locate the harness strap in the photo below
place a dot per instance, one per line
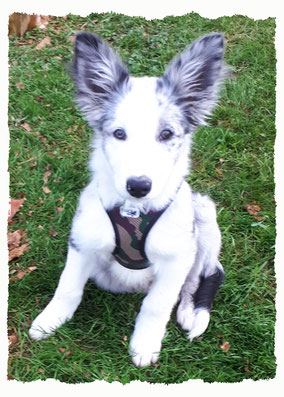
(130, 236)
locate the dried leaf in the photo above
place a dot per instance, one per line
(31, 269)
(247, 368)
(26, 126)
(16, 252)
(41, 371)
(12, 340)
(15, 206)
(253, 209)
(46, 189)
(20, 85)
(44, 42)
(61, 349)
(46, 176)
(72, 38)
(20, 274)
(225, 346)
(52, 232)
(14, 239)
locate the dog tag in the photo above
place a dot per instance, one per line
(128, 210)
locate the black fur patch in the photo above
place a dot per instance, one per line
(207, 290)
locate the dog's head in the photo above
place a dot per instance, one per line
(144, 125)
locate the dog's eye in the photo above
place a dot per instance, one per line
(165, 135)
(119, 134)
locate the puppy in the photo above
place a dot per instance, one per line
(138, 226)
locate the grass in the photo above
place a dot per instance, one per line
(232, 161)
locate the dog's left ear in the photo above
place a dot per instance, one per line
(99, 74)
(193, 78)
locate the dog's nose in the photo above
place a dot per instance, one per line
(138, 186)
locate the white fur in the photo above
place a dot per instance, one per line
(185, 241)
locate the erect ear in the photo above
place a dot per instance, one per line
(193, 78)
(99, 74)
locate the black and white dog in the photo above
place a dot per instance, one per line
(138, 226)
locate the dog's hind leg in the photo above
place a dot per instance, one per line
(204, 279)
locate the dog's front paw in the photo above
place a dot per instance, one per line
(52, 317)
(193, 320)
(41, 328)
(144, 351)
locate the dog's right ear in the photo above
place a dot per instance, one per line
(99, 74)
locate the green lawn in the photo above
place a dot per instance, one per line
(232, 161)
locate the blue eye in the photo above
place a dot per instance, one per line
(165, 135)
(120, 134)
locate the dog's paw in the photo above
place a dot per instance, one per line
(47, 322)
(185, 316)
(41, 329)
(195, 321)
(144, 351)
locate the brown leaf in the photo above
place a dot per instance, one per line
(46, 176)
(46, 189)
(12, 340)
(225, 346)
(20, 274)
(44, 42)
(15, 206)
(72, 38)
(61, 349)
(41, 371)
(14, 239)
(253, 209)
(20, 85)
(26, 126)
(59, 209)
(31, 269)
(16, 252)
(247, 367)
(52, 232)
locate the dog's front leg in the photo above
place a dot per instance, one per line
(156, 309)
(67, 296)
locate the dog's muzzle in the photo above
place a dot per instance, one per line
(138, 186)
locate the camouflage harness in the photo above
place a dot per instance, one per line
(130, 237)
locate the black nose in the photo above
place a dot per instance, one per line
(138, 186)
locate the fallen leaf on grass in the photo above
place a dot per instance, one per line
(225, 346)
(12, 340)
(26, 126)
(16, 252)
(20, 274)
(46, 177)
(52, 232)
(44, 42)
(46, 189)
(31, 269)
(14, 208)
(20, 85)
(14, 239)
(247, 368)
